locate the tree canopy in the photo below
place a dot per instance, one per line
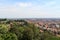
(26, 32)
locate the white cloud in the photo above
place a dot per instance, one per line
(22, 4)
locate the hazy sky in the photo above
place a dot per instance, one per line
(29, 8)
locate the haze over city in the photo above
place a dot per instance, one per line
(29, 8)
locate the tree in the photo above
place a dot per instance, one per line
(28, 34)
(10, 36)
(4, 28)
(1, 37)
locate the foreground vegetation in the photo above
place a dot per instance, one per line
(16, 30)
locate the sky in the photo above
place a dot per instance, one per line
(29, 8)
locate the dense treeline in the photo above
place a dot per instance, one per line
(17, 30)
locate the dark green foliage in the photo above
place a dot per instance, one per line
(48, 36)
(3, 19)
(1, 37)
(10, 36)
(28, 34)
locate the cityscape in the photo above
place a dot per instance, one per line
(49, 24)
(29, 19)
